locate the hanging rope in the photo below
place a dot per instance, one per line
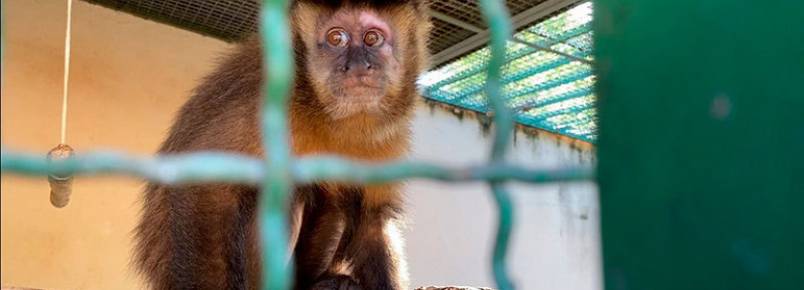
(67, 35)
(62, 186)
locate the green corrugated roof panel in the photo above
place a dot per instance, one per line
(547, 90)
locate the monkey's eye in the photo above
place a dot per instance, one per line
(373, 38)
(337, 37)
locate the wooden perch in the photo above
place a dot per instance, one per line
(452, 288)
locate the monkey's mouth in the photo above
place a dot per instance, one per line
(362, 82)
(365, 97)
(361, 88)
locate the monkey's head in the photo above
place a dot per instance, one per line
(361, 57)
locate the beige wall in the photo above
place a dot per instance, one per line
(129, 76)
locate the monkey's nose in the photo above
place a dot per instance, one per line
(361, 66)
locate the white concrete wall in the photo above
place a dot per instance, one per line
(555, 241)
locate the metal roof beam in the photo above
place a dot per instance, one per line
(455, 21)
(481, 38)
(545, 48)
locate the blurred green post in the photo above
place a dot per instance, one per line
(700, 148)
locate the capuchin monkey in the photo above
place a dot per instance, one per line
(354, 91)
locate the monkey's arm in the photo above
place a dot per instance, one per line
(378, 260)
(376, 250)
(320, 230)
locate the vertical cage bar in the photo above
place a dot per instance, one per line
(497, 17)
(278, 72)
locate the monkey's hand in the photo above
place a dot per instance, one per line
(336, 282)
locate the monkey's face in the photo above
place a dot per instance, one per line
(355, 58)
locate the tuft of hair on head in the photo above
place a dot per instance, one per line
(418, 4)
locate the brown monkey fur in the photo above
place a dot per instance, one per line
(342, 236)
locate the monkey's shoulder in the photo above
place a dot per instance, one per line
(222, 112)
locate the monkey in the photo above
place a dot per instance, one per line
(356, 64)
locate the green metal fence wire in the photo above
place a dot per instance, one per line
(500, 28)
(277, 185)
(280, 171)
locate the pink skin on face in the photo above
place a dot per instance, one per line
(359, 90)
(357, 22)
(370, 20)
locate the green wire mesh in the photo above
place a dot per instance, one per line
(280, 171)
(550, 89)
